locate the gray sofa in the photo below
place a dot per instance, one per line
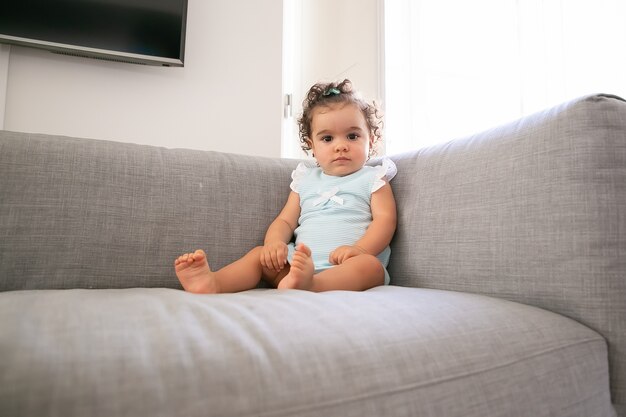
(508, 293)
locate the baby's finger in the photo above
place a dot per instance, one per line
(271, 261)
(275, 261)
(282, 257)
(332, 258)
(263, 259)
(267, 260)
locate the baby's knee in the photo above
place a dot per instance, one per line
(371, 263)
(256, 250)
(254, 255)
(371, 270)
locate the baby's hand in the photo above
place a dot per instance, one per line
(274, 256)
(342, 253)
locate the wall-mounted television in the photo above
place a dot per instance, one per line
(148, 32)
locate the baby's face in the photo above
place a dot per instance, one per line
(340, 139)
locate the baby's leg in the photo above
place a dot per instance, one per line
(358, 273)
(355, 274)
(301, 270)
(195, 275)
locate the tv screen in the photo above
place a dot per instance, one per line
(138, 31)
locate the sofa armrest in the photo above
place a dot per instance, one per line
(533, 211)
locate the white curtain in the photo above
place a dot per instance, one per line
(456, 67)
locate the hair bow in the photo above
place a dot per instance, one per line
(332, 91)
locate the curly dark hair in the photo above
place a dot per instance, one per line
(327, 94)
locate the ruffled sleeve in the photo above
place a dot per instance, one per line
(297, 175)
(384, 173)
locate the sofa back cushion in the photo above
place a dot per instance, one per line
(78, 213)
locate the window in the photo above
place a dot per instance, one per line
(453, 67)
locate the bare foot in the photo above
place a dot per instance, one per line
(193, 272)
(301, 272)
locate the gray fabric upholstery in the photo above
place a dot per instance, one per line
(531, 212)
(114, 215)
(390, 351)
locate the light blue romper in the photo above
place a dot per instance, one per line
(336, 211)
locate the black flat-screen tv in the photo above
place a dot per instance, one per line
(138, 31)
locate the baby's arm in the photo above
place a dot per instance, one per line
(274, 253)
(384, 218)
(380, 231)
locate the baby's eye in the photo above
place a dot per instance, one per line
(327, 138)
(353, 136)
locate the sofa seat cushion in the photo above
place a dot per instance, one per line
(387, 351)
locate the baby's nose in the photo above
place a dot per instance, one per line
(342, 144)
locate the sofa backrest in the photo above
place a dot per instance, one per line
(533, 211)
(79, 213)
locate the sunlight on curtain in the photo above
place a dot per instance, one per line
(453, 68)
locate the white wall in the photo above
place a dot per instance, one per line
(334, 40)
(4, 70)
(228, 97)
(340, 39)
